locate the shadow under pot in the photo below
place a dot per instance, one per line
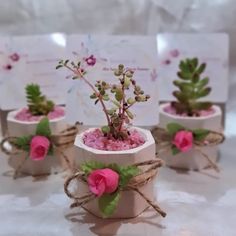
(130, 204)
(17, 128)
(192, 159)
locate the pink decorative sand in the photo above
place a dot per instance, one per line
(25, 115)
(170, 110)
(96, 140)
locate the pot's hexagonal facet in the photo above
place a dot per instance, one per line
(52, 163)
(130, 204)
(191, 159)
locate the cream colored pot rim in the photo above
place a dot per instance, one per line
(145, 133)
(217, 111)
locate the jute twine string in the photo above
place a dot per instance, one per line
(164, 141)
(135, 183)
(60, 142)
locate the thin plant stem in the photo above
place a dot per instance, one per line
(78, 72)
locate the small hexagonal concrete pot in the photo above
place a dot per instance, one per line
(130, 204)
(52, 163)
(191, 159)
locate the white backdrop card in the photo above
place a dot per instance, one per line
(35, 60)
(136, 52)
(210, 48)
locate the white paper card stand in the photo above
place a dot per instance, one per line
(210, 48)
(38, 57)
(137, 52)
(30, 59)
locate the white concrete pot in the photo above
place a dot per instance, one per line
(130, 204)
(52, 163)
(192, 159)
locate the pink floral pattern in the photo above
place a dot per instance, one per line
(14, 57)
(91, 60)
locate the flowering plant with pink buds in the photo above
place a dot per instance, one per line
(116, 99)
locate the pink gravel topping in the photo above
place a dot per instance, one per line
(25, 115)
(171, 110)
(95, 139)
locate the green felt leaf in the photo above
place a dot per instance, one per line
(126, 173)
(50, 151)
(173, 128)
(175, 150)
(43, 128)
(23, 142)
(200, 134)
(87, 167)
(114, 167)
(108, 202)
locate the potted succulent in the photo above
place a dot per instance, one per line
(112, 158)
(190, 112)
(41, 115)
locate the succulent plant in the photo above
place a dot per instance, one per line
(116, 99)
(191, 88)
(37, 103)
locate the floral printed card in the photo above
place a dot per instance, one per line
(31, 59)
(136, 52)
(210, 48)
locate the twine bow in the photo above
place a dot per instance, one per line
(59, 142)
(134, 184)
(213, 138)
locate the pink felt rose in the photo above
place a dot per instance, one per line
(183, 140)
(39, 146)
(103, 181)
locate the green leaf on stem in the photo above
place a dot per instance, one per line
(119, 95)
(105, 97)
(105, 129)
(129, 114)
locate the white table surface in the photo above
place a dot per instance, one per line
(196, 204)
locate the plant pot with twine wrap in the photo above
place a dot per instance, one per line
(135, 169)
(197, 158)
(39, 147)
(189, 120)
